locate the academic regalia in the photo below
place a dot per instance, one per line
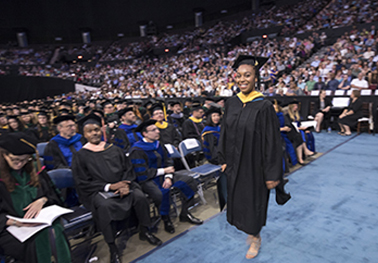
(58, 152)
(250, 145)
(146, 159)
(168, 134)
(177, 120)
(119, 138)
(289, 148)
(42, 136)
(192, 128)
(131, 134)
(307, 137)
(352, 120)
(92, 172)
(210, 139)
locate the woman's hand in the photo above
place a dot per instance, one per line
(224, 166)
(271, 184)
(167, 183)
(12, 222)
(34, 208)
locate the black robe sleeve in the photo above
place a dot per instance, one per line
(210, 144)
(139, 161)
(53, 157)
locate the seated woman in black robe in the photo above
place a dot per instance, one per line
(23, 193)
(15, 124)
(44, 130)
(322, 110)
(210, 135)
(349, 118)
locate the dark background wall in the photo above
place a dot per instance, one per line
(19, 88)
(45, 20)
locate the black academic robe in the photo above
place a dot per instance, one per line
(192, 129)
(250, 145)
(92, 171)
(26, 251)
(177, 121)
(169, 135)
(119, 138)
(352, 120)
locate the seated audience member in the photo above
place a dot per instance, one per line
(23, 193)
(322, 109)
(15, 125)
(344, 83)
(302, 140)
(270, 92)
(27, 119)
(176, 118)
(92, 175)
(59, 150)
(44, 130)
(3, 123)
(310, 84)
(168, 133)
(210, 134)
(349, 118)
(155, 173)
(285, 127)
(359, 83)
(294, 90)
(193, 126)
(128, 119)
(116, 135)
(320, 85)
(332, 83)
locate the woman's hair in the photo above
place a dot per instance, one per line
(209, 121)
(21, 126)
(356, 93)
(8, 179)
(51, 129)
(293, 115)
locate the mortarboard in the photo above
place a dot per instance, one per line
(144, 125)
(61, 118)
(214, 110)
(256, 62)
(155, 107)
(174, 102)
(18, 143)
(123, 111)
(90, 119)
(196, 105)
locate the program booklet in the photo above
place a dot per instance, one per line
(45, 219)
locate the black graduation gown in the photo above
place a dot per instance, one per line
(352, 120)
(169, 135)
(250, 145)
(327, 102)
(26, 251)
(191, 129)
(177, 122)
(211, 144)
(92, 171)
(294, 136)
(119, 138)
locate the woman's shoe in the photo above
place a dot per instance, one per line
(253, 250)
(340, 133)
(346, 134)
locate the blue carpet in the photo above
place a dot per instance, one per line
(332, 216)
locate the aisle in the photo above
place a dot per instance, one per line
(332, 216)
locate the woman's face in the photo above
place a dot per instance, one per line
(13, 124)
(16, 162)
(42, 120)
(215, 117)
(245, 78)
(295, 107)
(26, 118)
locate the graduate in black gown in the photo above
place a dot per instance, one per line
(211, 133)
(168, 133)
(23, 193)
(44, 130)
(250, 153)
(176, 118)
(322, 110)
(193, 126)
(102, 167)
(116, 135)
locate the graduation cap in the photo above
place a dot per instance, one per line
(123, 111)
(256, 62)
(64, 112)
(66, 104)
(18, 143)
(148, 103)
(214, 110)
(12, 117)
(24, 112)
(99, 112)
(90, 119)
(144, 125)
(196, 105)
(87, 109)
(42, 113)
(138, 102)
(112, 118)
(106, 103)
(155, 107)
(61, 118)
(174, 102)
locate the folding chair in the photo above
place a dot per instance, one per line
(41, 151)
(190, 146)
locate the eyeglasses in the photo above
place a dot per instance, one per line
(17, 161)
(153, 130)
(70, 126)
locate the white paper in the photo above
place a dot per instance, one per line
(349, 92)
(340, 102)
(328, 92)
(314, 92)
(169, 148)
(339, 92)
(191, 143)
(295, 126)
(365, 92)
(376, 92)
(46, 217)
(308, 124)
